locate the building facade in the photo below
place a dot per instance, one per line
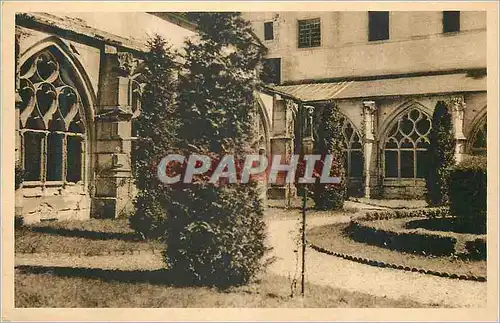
(386, 71)
(78, 88)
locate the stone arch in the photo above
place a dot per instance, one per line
(478, 128)
(71, 123)
(404, 142)
(265, 120)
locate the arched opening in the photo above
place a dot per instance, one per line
(53, 125)
(353, 157)
(478, 141)
(405, 146)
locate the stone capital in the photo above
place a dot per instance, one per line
(458, 103)
(369, 107)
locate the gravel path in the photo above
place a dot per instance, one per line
(328, 270)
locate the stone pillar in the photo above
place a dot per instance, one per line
(282, 143)
(458, 107)
(114, 189)
(369, 119)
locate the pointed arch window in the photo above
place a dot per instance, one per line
(353, 149)
(51, 120)
(478, 142)
(406, 145)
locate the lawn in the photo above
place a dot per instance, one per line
(332, 237)
(72, 287)
(90, 237)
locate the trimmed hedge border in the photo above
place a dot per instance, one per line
(382, 264)
(430, 212)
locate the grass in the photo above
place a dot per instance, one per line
(90, 237)
(73, 287)
(332, 237)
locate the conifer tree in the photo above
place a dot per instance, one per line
(215, 232)
(441, 156)
(329, 141)
(156, 134)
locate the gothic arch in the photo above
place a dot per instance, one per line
(404, 143)
(58, 45)
(266, 124)
(400, 111)
(476, 136)
(58, 104)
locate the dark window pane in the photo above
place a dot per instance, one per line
(309, 33)
(268, 31)
(54, 157)
(271, 70)
(422, 163)
(451, 21)
(356, 163)
(32, 156)
(74, 155)
(407, 163)
(391, 163)
(378, 25)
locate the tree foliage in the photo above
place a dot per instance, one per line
(215, 233)
(330, 141)
(441, 156)
(156, 132)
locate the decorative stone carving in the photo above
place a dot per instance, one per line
(127, 63)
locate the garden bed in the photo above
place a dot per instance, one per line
(414, 235)
(332, 238)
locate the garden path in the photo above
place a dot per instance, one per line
(323, 269)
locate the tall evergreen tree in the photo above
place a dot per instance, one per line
(156, 134)
(441, 155)
(329, 142)
(215, 233)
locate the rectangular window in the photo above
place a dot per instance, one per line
(268, 31)
(378, 25)
(271, 70)
(451, 21)
(309, 33)
(32, 156)
(54, 157)
(74, 157)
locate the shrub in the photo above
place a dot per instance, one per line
(476, 249)
(216, 233)
(19, 176)
(156, 133)
(440, 156)
(468, 187)
(330, 141)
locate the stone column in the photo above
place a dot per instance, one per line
(114, 189)
(458, 107)
(369, 109)
(282, 143)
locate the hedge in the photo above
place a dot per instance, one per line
(468, 189)
(419, 243)
(435, 212)
(476, 248)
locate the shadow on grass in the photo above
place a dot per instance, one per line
(162, 277)
(93, 235)
(155, 277)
